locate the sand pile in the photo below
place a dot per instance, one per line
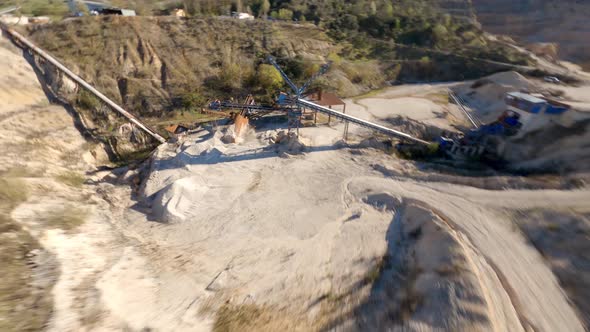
(382, 108)
(486, 96)
(553, 148)
(290, 142)
(439, 285)
(556, 145)
(511, 78)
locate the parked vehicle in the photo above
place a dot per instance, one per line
(552, 79)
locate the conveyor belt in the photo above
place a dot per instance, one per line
(364, 123)
(27, 44)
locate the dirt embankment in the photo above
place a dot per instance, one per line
(55, 227)
(560, 22)
(116, 139)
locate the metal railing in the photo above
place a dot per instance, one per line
(474, 121)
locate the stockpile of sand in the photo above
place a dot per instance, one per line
(558, 144)
(486, 96)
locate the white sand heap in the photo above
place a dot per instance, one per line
(290, 142)
(486, 95)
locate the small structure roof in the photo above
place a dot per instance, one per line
(527, 97)
(176, 129)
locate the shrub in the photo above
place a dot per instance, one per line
(12, 192)
(72, 179)
(440, 34)
(44, 8)
(193, 100)
(285, 14)
(269, 78)
(67, 218)
(86, 100)
(335, 58)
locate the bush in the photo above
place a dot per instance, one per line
(54, 8)
(231, 76)
(285, 14)
(12, 192)
(193, 100)
(67, 218)
(269, 78)
(335, 58)
(72, 179)
(440, 35)
(87, 100)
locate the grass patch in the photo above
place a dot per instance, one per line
(22, 308)
(370, 94)
(67, 218)
(375, 272)
(253, 317)
(128, 157)
(21, 172)
(12, 192)
(441, 98)
(235, 318)
(72, 179)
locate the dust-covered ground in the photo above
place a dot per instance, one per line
(58, 235)
(319, 236)
(279, 232)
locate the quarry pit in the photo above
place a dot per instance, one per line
(279, 231)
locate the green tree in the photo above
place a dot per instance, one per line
(388, 10)
(373, 8)
(193, 100)
(269, 78)
(264, 8)
(86, 100)
(440, 35)
(285, 14)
